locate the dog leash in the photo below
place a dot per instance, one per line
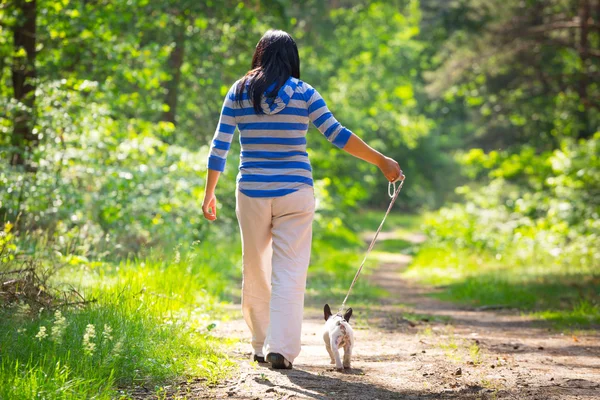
(393, 193)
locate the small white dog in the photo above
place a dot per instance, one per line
(338, 333)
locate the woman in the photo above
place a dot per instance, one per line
(271, 108)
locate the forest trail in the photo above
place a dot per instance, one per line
(411, 346)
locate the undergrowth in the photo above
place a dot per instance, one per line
(151, 322)
(565, 296)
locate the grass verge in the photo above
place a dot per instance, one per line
(151, 324)
(565, 296)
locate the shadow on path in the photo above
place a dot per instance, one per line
(412, 346)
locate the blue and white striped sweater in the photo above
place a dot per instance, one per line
(274, 161)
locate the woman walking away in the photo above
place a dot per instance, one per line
(271, 108)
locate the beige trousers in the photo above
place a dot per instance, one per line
(276, 241)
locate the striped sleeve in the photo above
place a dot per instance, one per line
(324, 120)
(224, 134)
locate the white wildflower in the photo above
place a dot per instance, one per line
(177, 255)
(88, 340)
(42, 333)
(59, 327)
(107, 332)
(116, 351)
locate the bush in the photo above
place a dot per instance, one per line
(543, 208)
(529, 238)
(109, 187)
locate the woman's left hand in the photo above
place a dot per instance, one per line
(391, 169)
(209, 206)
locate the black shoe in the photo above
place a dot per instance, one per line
(259, 359)
(278, 361)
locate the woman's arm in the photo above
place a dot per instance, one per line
(359, 149)
(343, 138)
(218, 153)
(209, 204)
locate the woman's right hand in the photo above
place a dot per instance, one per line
(209, 206)
(391, 169)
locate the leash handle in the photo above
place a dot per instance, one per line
(394, 196)
(392, 186)
(391, 189)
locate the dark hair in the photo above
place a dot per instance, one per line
(275, 60)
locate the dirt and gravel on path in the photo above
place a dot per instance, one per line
(411, 346)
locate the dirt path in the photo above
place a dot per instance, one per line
(414, 347)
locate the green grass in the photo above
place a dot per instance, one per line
(397, 221)
(158, 319)
(338, 252)
(154, 317)
(394, 246)
(331, 272)
(565, 296)
(582, 314)
(152, 323)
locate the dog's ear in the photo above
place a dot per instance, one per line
(327, 311)
(348, 314)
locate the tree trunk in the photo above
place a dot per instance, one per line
(584, 16)
(172, 86)
(23, 80)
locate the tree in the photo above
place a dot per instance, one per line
(527, 74)
(23, 79)
(174, 67)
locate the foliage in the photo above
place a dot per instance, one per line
(112, 186)
(367, 73)
(538, 207)
(496, 97)
(7, 246)
(514, 82)
(109, 171)
(528, 239)
(511, 73)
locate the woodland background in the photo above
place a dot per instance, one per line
(107, 108)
